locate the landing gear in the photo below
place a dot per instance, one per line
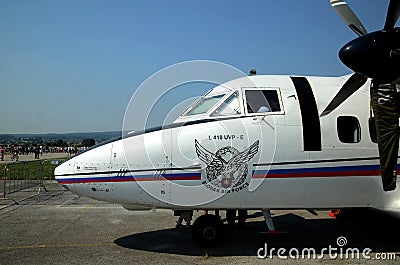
(242, 216)
(183, 216)
(208, 230)
(268, 220)
(231, 217)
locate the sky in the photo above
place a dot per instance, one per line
(73, 65)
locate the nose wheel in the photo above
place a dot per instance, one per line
(208, 230)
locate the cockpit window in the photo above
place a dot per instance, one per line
(203, 105)
(230, 106)
(260, 101)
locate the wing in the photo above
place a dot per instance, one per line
(244, 156)
(204, 155)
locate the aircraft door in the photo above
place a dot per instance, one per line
(264, 109)
(266, 120)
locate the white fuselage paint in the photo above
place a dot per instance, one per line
(162, 169)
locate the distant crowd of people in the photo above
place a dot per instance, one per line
(16, 150)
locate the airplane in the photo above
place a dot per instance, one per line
(375, 55)
(258, 142)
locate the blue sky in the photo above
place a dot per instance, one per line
(72, 66)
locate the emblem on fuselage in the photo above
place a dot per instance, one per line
(227, 169)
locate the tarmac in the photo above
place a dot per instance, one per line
(59, 227)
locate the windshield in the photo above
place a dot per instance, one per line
(230, 106)
(203, 105)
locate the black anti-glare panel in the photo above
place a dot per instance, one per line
(309, 114)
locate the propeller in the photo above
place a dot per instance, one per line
(371, 55)
(392, 14)
(348, 16)
(375, 55)
(352, 84)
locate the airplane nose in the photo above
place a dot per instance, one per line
(64, 174)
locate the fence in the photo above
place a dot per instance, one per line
(21, 175)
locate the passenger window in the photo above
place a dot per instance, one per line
(349, 129)
(261, 101)
(230, 106)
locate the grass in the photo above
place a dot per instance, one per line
(30, 169)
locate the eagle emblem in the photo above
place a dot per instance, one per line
(228, 167)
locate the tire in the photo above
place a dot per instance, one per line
(231, 217)
(242, 216)
(208, 230)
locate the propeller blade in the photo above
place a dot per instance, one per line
(348, 16)
(392, 14)
(351, 86)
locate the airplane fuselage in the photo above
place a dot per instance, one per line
(240, 154)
